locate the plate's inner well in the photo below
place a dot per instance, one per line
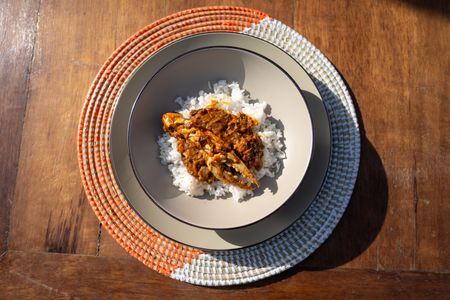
(185, 76)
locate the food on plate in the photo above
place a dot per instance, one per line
(215, 144)
(235, 130)
(220, 142)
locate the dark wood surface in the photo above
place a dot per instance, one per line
(117, 278)
(393, 241)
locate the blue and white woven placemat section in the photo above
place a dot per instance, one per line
(290, 247)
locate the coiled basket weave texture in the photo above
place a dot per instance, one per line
(181, 262)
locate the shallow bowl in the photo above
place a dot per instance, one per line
(186, 76)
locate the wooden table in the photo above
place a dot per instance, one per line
(394, 238)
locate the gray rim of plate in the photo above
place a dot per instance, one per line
(225, 239)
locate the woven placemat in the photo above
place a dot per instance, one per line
(183, 262)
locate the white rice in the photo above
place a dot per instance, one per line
(234, 100)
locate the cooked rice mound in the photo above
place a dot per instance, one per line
(231, 98)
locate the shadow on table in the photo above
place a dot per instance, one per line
(439, 7)
(361, 222)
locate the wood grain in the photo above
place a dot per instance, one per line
(88, 277)
(282, 10)
(393, 239)
(50, 212)
(18, 23)
(430, 114)
(381, 55)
